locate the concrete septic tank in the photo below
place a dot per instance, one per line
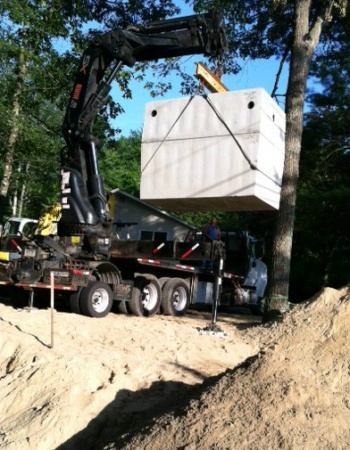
(222, 152)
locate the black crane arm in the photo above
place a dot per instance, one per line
(83, 199)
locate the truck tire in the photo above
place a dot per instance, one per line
(96, 299)
(122, 307)
(146, 296)
(162, 282)
(74, 302)
(176, 297)
(19, 297)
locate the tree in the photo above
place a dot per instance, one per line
(321, 240)
(36, 72)
(309, 17)
(291, 31)
(27, 33)
(120, 164)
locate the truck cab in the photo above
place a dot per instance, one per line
(13, 232)
(19, 226)
(245, 274)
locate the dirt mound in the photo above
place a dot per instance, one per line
(103, 375)
(124, 382)
(294, 394)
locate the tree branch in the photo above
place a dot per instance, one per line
(278, 75)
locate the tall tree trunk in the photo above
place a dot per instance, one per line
(304, 44)
(22, 195)
(15, 203)
(14, 132)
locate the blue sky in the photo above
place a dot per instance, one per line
(255, 74)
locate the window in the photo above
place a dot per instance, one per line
(153, 236)
(146, 235)
(160, 236)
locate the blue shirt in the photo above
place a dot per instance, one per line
(213, 232)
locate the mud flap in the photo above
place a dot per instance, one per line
(123, 291)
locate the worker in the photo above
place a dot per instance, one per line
(211, 231)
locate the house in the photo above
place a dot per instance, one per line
(138, 220)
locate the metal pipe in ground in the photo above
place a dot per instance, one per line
(217, 291)
(52, 306)
(213, 329)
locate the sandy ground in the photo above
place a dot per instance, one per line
(130, 383)
(120, 371)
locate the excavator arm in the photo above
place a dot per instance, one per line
(83, 199)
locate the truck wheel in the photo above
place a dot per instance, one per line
(74, 302)
(162, 282)
(146, 296)
(96, 299)
(122, 307)
(176, 297)
(18, 297)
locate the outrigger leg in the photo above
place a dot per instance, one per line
(213, 328)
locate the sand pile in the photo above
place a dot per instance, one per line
(152, 384)
(295, 394)
(101, 371)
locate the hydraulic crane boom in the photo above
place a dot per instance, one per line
(83, 199)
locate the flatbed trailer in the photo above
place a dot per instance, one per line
(142, 277)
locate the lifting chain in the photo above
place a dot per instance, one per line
(200, 88)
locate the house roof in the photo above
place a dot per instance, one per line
(118, 192)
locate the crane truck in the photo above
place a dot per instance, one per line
(85, 262)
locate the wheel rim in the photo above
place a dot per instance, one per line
(180, 299)
(149, 297)
(100, 300)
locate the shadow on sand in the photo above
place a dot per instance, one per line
(132, 411)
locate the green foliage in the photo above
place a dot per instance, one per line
(321, 238)
(28, 33)
(122, 14)
(120, 164)
(36, 160)
(255, 29)
(227, 221)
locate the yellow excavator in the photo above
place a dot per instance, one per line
(47, 224)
